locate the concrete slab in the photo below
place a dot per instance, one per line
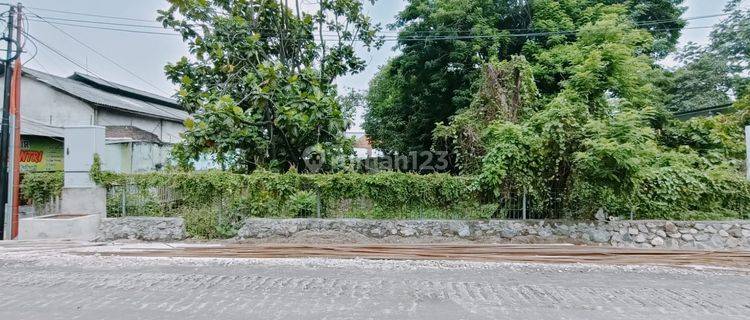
(80, 227)
(84, 201)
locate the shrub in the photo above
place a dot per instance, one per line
(215, 203)
(40, 187)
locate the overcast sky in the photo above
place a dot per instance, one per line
(145, 55)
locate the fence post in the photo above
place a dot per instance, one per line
(523, 206)
(747, 152)
(317, 196)
(124, 200)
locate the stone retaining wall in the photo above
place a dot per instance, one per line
(645, 234)
(142, 228)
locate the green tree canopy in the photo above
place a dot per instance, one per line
(444, 44)
(259, 79)
(714, 74)
(604, 140)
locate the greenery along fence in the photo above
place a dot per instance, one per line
(215, 203)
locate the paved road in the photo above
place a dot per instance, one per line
(50, 284)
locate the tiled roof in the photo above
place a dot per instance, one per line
(130, 133)
(363, 142)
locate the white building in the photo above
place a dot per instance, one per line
(140, 127)
(362, 147)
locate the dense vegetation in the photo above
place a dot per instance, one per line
(713, 74)
(435, 76)
(215, 203)
(580, 120)
(576, 115)
(259, 79)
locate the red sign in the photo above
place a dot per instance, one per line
(31, 156)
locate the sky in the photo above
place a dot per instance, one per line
(142, 57)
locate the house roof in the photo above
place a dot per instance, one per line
(130, 134)
(124, 90)
(135, 102)
(31, 127)
(363, 142)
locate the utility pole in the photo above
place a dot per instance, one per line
(10, 55)
(14, 148)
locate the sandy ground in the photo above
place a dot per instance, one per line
(73, 280)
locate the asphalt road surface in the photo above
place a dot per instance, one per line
(54, 281)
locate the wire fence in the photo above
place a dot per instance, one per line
(134, 200)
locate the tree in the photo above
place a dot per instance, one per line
(604, 140)
(445, 43)
(714, 74)
(507, 92)
(259, 79)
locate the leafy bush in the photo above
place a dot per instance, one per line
(220, 201)
(40, 187)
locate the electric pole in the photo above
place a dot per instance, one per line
(10, 55)
(14, 148)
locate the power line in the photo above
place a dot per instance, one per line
(36, 48)
(103, 56)
(103, 22)
(54, 79)
(423, 31)
(90, 14)
(387, 39)
(107, 28)
(405, 35)
(58, 52)
(94, 73)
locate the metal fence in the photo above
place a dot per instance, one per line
(521, 206)
(134, 200)
(50, 207)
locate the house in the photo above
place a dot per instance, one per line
(140, 126)
(361, 145)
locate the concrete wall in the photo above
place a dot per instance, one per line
(42, 103)
(150, 156)
(56, 227)
(136, 157)
(118, 157)
(640, 234)
(167, 131)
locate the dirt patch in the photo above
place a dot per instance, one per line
(467, 252)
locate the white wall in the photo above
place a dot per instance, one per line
(167, 131)
(41, 103)
(171, 132)
(136, 157)
(362, 153)
(147, 156)
(117, 157)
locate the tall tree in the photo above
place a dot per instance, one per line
(444, 43)
(716, 73)
(259, 79)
